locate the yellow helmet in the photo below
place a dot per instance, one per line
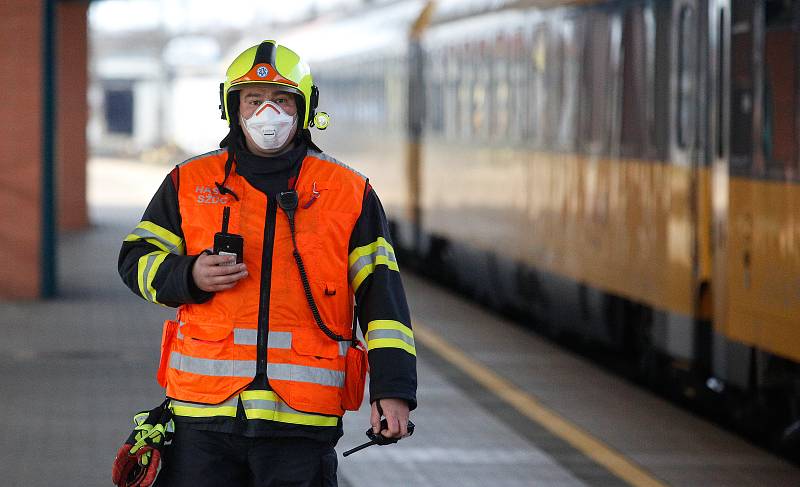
(270, 63)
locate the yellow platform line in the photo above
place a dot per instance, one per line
(527, 405)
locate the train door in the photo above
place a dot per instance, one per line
(719, 126)
(683, 175)
(733, 222)
(730, 123)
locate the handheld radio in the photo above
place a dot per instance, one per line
(228, 243)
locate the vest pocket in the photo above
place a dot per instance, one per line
(356, 368)
(207, 332)
(209, 341)
(167, 342)
(335, 305)
(314, 343)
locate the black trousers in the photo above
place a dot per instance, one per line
(198, 458)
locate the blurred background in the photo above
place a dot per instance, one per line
(155, 68)
(597, 201)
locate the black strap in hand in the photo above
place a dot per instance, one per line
(378, 438)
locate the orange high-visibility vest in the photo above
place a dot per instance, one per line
(212, 347)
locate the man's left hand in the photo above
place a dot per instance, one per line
(396, 413)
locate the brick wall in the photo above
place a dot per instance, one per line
(71, 46)
(20, 142)
(21, 68)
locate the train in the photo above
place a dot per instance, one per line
(622, 175)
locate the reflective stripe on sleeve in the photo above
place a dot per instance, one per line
(195, 410)
(211, 367)
(158, 236)
(362, 261)
(303, 373)
(148, 267)
(390, 334)
(268, 406)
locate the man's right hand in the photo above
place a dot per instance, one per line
(211, 275)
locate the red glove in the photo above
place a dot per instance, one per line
(138, 469)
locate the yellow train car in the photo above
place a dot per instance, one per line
(621, 173)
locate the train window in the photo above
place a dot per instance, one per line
(570, 66)
(687, 75)
(362, 109)
(434, 86)
(537, 93)
(375, 113)
(597, 86)
(721, 94)
(448, 94)
(451, 93)
(359, 92)
(635, 100)
(378, 86)
(518, 94)
(465, 95)
(481, 103)
(651, 32)
(780, 93)
(741, 107)
(395, 94)
(369, 97)
(660, 14)
(500, 90)
(552, 88)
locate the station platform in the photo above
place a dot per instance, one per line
(498, 406)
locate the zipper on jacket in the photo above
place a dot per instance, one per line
(266, 284)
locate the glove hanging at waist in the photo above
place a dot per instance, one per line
(138, 461)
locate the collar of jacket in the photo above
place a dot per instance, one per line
(269, 174)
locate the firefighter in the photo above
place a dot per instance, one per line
(271, 251)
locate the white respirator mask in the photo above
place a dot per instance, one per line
(269, 126)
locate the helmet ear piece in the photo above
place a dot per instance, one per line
(314, 97)
(222, 101)
(312, 104)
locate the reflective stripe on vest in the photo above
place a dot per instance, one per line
(263, 405)
(247, 368)
(194, 410)
(268, 406)
(282, 340)
(304, 373)
(212, 367)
